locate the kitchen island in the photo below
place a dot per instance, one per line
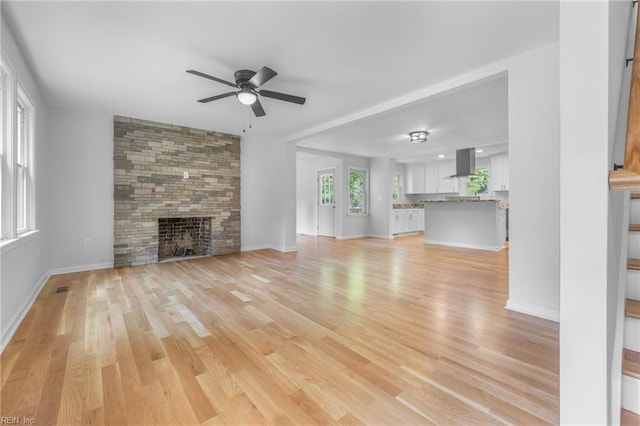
(473, 223)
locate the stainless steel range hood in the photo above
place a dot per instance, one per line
(465, 163)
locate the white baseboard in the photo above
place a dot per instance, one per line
(381, 236)
(463, 245)
(404, 234)
(17, 320)
(535, 311)
(350, 237)
(80, 268)
(256, 247)
(269, 247)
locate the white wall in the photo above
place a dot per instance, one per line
(584, 74)
(268, 194)
(534, 170)
(380, 204)
(81, 189)
(346, 226)
(24, 264)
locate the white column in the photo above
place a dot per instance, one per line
(583, 212)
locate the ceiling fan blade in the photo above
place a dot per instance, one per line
(283, 97)
(213, 98)
(219, 80)
(257, 109)
(261, 77)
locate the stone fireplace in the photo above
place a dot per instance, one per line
(184, 237)
(166, 171)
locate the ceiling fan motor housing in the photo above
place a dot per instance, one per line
(243, 76)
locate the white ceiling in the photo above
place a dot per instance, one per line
(469, 117)
(129, 58)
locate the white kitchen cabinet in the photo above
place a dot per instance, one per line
(415, 178)
(407, 221)
(398, 221)
(438, 180)
(404, 222)
(499, 173)
(411, 220)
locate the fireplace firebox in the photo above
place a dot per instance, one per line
(184, 237)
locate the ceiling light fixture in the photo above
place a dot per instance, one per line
(246, 96)
(478, 151)
(418, 136)
(441, 156)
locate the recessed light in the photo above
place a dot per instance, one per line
(441, 156)
(478, 150)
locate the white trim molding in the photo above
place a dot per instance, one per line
(463, 245)
(80, 268)
(22, 313)
(536, 311)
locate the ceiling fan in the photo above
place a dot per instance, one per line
(248, 81)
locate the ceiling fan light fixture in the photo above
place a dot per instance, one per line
(419, 136)
(246, 96)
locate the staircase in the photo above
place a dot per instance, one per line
(630, 414)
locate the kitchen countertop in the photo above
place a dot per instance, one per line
(501, 204)
(408, 205)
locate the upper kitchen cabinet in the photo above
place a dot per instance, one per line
(499, 173)
(438, 177)
(415, 178)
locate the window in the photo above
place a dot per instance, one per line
(24, 143)
(358, 185)
(3, 138)
(21, 167)
(479, 183)
(17, 119)
(397, 187)
(326, 189)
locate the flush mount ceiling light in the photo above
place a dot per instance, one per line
(246, 96)
(418, 136)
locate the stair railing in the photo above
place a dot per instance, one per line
(627, 176)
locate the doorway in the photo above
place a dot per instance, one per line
(326, 203)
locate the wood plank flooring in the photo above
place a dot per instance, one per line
(354, 332)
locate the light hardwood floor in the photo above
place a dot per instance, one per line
(342, 332)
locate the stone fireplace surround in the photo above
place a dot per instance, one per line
(150, 161)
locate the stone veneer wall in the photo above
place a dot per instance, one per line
(149, 161)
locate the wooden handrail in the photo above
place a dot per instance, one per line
(629, 176)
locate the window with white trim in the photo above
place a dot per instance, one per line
(358, 189)
(17, 124)
(6, 79)
(3, 80)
